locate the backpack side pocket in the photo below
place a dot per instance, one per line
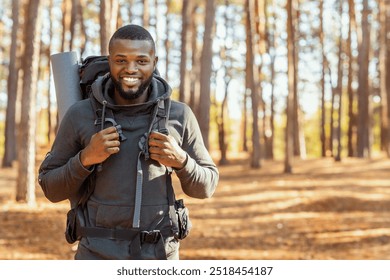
(183, 219)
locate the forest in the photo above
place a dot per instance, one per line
(285, 82)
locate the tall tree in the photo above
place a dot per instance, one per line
(271, 50)
(205, 74)
(323, 72)
(66, 18)
(339, 89)
(223, 145)
(385, 121)
(167, 43)
(194, 76)
(108, 22)
(12, 89)
(387, 79)
(185, 35)
(351, 93)
(146, 14)
(77, 18)
(252, 83)
(26, 157)
(298, 139)
(289, 135)
(259, 17)
(364, 118)
(48, 53)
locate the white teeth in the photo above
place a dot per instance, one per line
(129, 79)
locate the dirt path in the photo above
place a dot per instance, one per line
(325, 210)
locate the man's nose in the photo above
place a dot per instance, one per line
(132, 67)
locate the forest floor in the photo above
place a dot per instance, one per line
(324, 210)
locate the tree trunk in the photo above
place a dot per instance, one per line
(145, 14)
(108, 22)
(245, 115)
(351, 93)
(339, 87)
(26, 172)
(73, 22)
(289, 146)
(270, 43)
(221, 126)
(48, 53)
(260, 48)
(205, 74)
(252, 84)
(166, 41)
(84, 36)
(66, 18)
(296, 125)
(12, 90)
(387, 78)
(185, 35)
(194, 83)
(223, 146)
(324, 66)
(364, 131)
(385, 140)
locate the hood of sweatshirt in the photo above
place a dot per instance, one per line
(103, 89)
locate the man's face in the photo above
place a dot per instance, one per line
(132, 63)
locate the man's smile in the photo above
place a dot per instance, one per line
(130, 81)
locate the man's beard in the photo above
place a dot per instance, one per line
(131, 94)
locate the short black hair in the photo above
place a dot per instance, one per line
(132, 32)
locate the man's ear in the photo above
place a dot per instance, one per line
(109, 60)
(155, 62)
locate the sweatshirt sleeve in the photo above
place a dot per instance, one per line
(61, 173)
(199, 177)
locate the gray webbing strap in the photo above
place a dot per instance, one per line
(138, 194)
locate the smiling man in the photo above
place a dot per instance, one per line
(130, 209)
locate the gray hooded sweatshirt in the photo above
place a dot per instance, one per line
(111, 204)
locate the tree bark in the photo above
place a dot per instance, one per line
(12, 90)
(26, 171)
(364, 131)
(205, 74)
(252, 84)
(166, 41)
(289, 146)
(339, 90)
(66, 18)
(185, 35)
(108, 22)
(351, 93)
(324, 66)
(194, 75)
(385, 139)
(145, 14)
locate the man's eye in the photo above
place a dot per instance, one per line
(142, 61)
(120, 61)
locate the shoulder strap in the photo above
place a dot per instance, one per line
(163, 110)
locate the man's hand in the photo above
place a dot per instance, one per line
(102, 145)
(164, 149)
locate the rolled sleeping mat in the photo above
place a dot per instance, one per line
(65, 67)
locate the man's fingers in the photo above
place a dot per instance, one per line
(112, 150)
(110, 144)
(158, 136)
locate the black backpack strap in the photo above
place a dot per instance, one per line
(159, 117)
(163, 110)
